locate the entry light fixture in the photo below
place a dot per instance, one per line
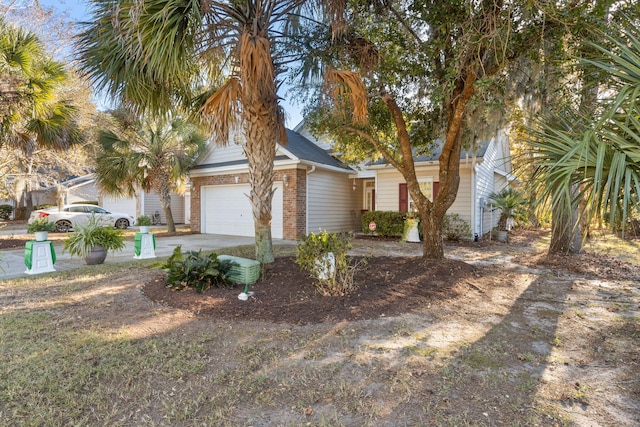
(354, 184)
(285, 179)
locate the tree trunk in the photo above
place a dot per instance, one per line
(432, 213)
(432, 238)
(449, 168)
(566, 237)
(263, 125)
(260, 149)
(165, 201)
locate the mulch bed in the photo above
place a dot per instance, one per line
(387, 286)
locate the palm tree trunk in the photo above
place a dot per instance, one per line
(260, 147)
(262, 121)
(165, 201)
(566, 237)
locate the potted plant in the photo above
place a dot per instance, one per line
(144, 222)
(41, 227)
(510, 202)
(93, 240)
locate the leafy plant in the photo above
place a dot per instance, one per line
(313, 253)
(91, 234)
(455, 228)
(511, 203)
(391, 224)
(388, 223)
(5, 211)
(196, 270)
(41, 224)
(143, 220)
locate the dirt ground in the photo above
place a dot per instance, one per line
(387, 285)
(497, 334)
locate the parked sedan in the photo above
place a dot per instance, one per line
(71, 215)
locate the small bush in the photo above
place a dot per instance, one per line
(196, 270)
(5, 211)
(41, 224)
(311, 256)
(144, 220)
(388, 223)
(455, 228)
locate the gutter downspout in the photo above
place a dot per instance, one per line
(306, 208)
(474, 200)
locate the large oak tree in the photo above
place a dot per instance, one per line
(422, 71)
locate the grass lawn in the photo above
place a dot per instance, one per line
(526, 347)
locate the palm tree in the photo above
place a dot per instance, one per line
(591, 162)
(511, 203)
(32, 115)
(151, 54)
(148, 154)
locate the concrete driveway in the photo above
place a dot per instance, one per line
(12, 261)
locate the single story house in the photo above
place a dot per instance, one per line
(313, 190)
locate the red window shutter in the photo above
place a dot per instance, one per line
(436, 187)
(403, 201)
(373, 200)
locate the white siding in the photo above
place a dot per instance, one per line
(389, 180)
(332, 204)
(152, 204)
(487, 181)
(85, 193)
(463, 206)
(217, 154)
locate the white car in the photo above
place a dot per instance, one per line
(78, 214)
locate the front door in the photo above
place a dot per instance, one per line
(369, 195)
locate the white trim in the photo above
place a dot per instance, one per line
(509, 176)
(423, 179)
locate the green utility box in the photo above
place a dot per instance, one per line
(246, 272)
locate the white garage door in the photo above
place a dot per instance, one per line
(120, 205)
(226, 210)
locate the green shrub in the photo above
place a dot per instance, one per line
(93, 233)
(388, 223)
(5, 211)
(455, 228)
(143, 220)
(85, 202)
(311, 256)
(391, 224)
(196, 270)
(41, 224)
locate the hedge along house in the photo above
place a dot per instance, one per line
(312, 191)
(481, 173)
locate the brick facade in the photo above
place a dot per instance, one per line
(294, 198)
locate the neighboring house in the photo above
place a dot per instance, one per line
(84, 189)
(313, 190)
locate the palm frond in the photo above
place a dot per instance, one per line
(347, 86)
(222, 110)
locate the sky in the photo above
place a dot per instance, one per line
(78, 10)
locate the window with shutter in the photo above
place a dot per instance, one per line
(403, 201)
